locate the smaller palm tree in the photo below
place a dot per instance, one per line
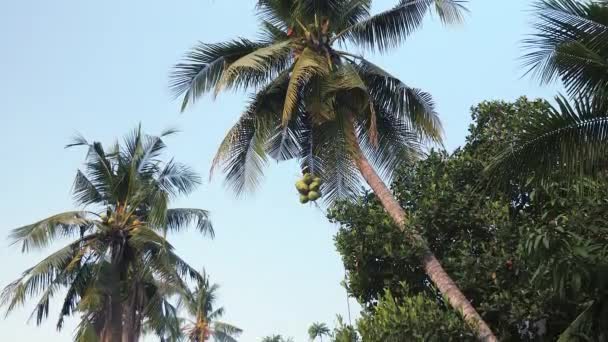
(205, 324)
(277, 338)
(118, 247)
(318, 330)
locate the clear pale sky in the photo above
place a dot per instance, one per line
(100, 67)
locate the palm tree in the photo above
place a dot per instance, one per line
(277, 338)
(318, 330)
(571, 44)
(205, 324)
(119, 247)
(336, 112)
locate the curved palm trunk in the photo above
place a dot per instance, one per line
(431, 265)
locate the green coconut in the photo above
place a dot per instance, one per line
(317, 180)
(314, 186)
(314, 195)
(304, 199)
(302, 187)
(308, 178)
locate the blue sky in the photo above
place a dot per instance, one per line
(101, 67)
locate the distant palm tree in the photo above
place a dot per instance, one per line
(277, 338)
(318, 330)
(120, 247)
(204, 323)
(570, 44)
(336, 112)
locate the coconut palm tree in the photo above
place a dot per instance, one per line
(277, 338)
(119, 245)
(204, 323)
(570, 44)
(336, 112)
(318, 330)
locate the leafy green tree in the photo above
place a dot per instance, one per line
(336, 112)
(120, 254)
(532, 258)
(204, 323)
(318, 330)
(570, 44)
(344, 332)
(411, 318)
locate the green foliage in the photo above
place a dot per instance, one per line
(276, 338)
(569, 44)
(531, 258)
(344, 332)
(411, 318)
(313, 102)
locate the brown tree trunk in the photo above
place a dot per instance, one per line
(431, 265)
(114, 323)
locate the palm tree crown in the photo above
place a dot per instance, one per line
(313, 101)
(120, 254)
(318, 330)
(205, 324)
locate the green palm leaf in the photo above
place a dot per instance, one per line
(203, 66)
(413, 106)
(180, 218)
(571, 137)
(570, 43)
(257, 66)
(42, 233)
(390, 28)
(309, 64)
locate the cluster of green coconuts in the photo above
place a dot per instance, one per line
(309, 188)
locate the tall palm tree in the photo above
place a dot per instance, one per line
(119, 247)
(570, 44)
(204, 323)
(318, 330)
(336, 112)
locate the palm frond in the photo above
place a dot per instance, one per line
(412, 106)
(42, 233)
(397, 142)
(390, 28)
(570, 43)
(77, 140)
(257, 67)
(334, 150)
(571, 137)
(226, 332)
(86, 332)
(179, 218)
(308, 64)
(85, 192)
(352, 12)
(176, 178)
(46, 275)
(276, 12)
(242, 153)
(272, 33)
(203, 66)
(162, 318)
